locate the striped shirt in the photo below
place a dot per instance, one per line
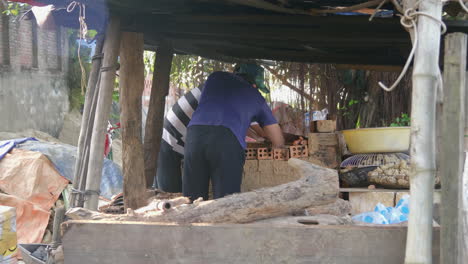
(178, 118)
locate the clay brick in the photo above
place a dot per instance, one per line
(298, 151)
(250, 153)
(264, 154)
(325, 126)
(280, 154)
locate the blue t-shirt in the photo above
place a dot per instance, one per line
(230, 101)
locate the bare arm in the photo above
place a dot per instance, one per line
(275, 135)
(257, 129)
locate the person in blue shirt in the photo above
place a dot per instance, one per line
(215, 143)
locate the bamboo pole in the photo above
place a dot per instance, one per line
(88, 114)
(423, 147)
(132, 77)
(155, 118)
(111, 51)
(452, 158)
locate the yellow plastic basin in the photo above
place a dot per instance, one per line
(377, 140)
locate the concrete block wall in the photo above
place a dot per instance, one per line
(33, 79)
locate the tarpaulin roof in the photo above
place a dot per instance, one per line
(319, 31)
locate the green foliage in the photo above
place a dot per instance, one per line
(403, 120)
(76, 97)
(14, 9)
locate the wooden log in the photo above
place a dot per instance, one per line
(87, 121)
(111, 51)
(155, 118)
(147, 243)
(423, 167)
(338, 208)
(131, 88)
(452, 146)
(318, 186)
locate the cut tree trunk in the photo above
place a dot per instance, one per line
(131, 87)
(317, 186)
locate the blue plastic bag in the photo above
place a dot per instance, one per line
(371, 218)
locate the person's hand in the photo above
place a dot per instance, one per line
(260, 139)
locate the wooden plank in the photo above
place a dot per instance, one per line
(137, 243)
(111, 52)
(452, 146)
(131, 87)
(155, 118)
(372, 190)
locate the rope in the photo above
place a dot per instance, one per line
(463, 5)
(408, 20)
(83, 32)
(377, 9)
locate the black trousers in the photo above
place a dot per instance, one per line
(212, 152)
(169, 173)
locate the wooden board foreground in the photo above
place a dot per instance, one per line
(136, 242)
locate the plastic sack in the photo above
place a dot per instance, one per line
(63, 157)
(8, 240)
(393, 215)
(371, 218)
(320, 115)
(403, 204)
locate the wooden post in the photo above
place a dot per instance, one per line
(423, 147)
(155, 118)
(106, 87)
(87, 122)
(452, 158)
(464, 192)
(131, 88)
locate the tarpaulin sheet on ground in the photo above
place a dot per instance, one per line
(32, 185)
(7, 145)
(63, 156)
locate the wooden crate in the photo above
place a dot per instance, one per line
(324, 126)
(325, 148)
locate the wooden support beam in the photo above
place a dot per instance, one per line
(130, 242)
(106, 87)
(452, 146)
(131, 88)
(155, 118)
(423, 147)
(87, 121)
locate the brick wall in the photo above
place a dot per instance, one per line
(33, 83)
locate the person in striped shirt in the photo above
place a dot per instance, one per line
(169, 172)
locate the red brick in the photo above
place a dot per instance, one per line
(250, 154)
(264, 154)
(281, 154)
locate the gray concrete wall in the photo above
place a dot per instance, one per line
(33, 85)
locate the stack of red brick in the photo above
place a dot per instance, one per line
(300, 151)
